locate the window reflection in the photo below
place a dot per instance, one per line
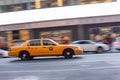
(47, 43)
(15, 7)
(1, 8)
(48, 3)
(32, 5)
(71, 2)
(94, 1)
(34, 43)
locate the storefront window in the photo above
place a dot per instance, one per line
(48, 3)
(24, 6)
(1, 9)
(16, 7)
(98, 34)
(94, 1)
(3, 40)
(71, 2)
(16, 35)
(116, 29)
(61, 36)
(7, 8)
(65, 3)
(32, 5)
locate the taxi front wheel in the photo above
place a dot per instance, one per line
(68, 54)
(24, 55)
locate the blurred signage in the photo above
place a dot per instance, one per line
(1, 40)
(116, 29)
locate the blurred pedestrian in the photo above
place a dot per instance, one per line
(5, 47)
(107, 40)
(65, 40)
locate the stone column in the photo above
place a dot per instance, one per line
(31, 34)
(60, 2)
(37, 4)
(28, 6)
(81, 32)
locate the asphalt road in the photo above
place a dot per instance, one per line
(104, 66)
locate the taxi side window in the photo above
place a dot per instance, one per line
(34, 43)
(47, 43)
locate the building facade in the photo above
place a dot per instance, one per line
(77, 22)
(18, 5)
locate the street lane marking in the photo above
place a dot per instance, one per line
(31, 77)
(62, 70)
(27, 78)
(57, 64)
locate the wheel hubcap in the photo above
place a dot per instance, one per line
(24, 56)
(68, 53)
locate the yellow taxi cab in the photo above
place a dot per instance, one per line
(43, 47)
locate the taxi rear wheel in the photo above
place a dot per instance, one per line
(31, 57)
(24, 55)
(68, 54)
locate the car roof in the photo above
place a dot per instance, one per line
(2, 50)
(82, 40)
(39, 39)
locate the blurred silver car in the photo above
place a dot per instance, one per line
(116, 43)
(3, 53)
(91, 46)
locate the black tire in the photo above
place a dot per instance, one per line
(100, 50)
(24, 55)
(68, 54)
(31, 57)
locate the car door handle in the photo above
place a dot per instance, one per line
(44, 47)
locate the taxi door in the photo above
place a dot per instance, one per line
(34, 47)
(49, 48)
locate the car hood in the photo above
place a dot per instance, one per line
(3, 52)
(97, 44)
